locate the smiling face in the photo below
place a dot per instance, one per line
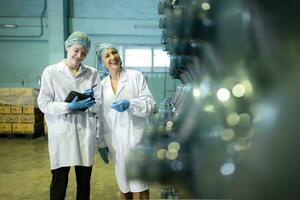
(76, 53)
(111, 59)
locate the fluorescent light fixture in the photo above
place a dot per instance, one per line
(8, 26)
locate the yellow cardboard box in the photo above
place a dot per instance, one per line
(23, 92)
(31, 110)
(4, 109)
(5, 127)
(9, 118)
(30, 118)
(4, 91)
(18, 100)
(16, 110)
(28, 128)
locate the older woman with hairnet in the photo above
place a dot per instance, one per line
(127, 102)
(71, 124)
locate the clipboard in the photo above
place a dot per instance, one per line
(80, 96)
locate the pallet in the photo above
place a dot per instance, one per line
(22, 135)
(2, 135)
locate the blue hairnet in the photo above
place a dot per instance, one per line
(78, 37)
(101, 47)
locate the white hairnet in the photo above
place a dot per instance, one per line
(78, 37)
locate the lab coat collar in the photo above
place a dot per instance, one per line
(82, 69)
(62, 67)
(122, 81)
(123, 78)
(123, 75)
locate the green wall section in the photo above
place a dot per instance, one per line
(31, 46)
(22, 62)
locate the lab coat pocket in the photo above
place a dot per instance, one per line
(124, 120)
(139, 126)
(60, 128)
(138, 122)
(92, 122)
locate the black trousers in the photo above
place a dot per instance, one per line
(59, 182)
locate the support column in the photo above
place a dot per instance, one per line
(57, 29)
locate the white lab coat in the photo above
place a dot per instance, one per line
(71, 134)
(123, 130)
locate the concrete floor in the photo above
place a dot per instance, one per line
(25, 173)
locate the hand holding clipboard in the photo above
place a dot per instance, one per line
(80, 101)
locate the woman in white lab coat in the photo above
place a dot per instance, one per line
(127, 102)
(71, 125)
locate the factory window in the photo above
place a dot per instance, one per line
(160, 58)
(145, 58)
(138, 57)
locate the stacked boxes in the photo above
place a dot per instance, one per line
(19, 113)
(5, 125)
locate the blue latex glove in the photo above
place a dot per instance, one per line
(89, 92)
(104, 154)
(76, 105)
(121, 105)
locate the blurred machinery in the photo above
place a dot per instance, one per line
(231, 130)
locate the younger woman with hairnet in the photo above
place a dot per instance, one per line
(71, 125)
(127, 102)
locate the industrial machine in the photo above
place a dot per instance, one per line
(231, 129)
